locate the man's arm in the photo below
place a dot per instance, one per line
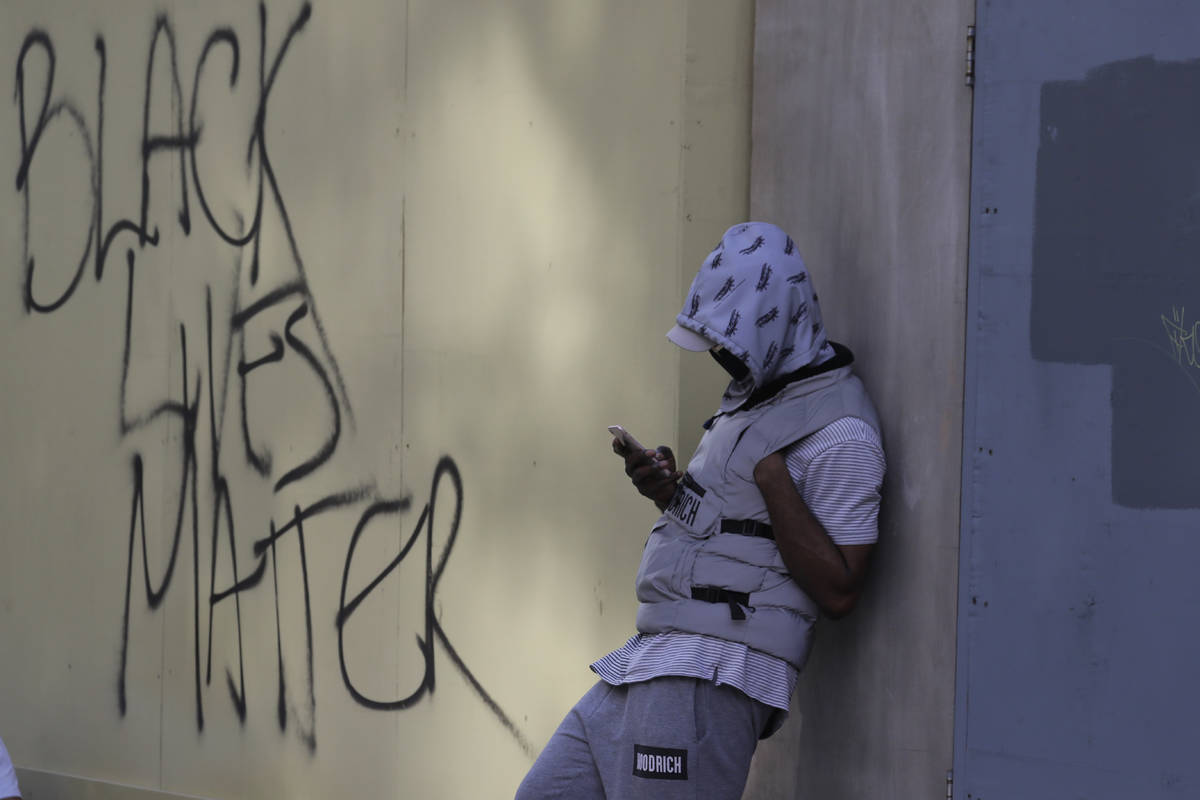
(831, 574)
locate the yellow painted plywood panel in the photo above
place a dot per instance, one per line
(315, 317)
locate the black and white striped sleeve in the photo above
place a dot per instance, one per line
(839, 472)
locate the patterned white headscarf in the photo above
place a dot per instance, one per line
(754, 297)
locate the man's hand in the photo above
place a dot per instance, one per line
(652, 472)
(832, 575)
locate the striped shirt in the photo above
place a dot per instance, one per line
(839, 472)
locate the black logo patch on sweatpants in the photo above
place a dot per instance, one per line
(660, 763)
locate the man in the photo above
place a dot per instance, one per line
(772, 522)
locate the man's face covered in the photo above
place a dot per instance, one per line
(753, 297)
(736, 368)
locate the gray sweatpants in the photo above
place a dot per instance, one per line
(667, 738)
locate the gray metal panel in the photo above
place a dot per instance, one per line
(1077, 647)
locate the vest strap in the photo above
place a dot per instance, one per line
(714, 594)
(747, 527)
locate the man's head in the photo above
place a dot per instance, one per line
(752, 303)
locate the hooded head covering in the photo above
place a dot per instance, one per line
(754, 297)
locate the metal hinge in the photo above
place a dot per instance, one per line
(950, 781)
(971, 55)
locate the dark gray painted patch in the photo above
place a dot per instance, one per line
(1116, 261)
(1156, 429)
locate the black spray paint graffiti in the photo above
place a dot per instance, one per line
(302, 342)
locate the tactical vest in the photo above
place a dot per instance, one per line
(711, 565)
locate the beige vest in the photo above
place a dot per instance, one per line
(694, 577)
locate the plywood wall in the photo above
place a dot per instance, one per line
(313, 316)
(861, 148)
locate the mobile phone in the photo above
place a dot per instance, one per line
(626, 438)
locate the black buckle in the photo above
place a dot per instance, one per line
(747, 527)
(714, 594)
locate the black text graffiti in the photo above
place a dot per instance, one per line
(239, 328)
